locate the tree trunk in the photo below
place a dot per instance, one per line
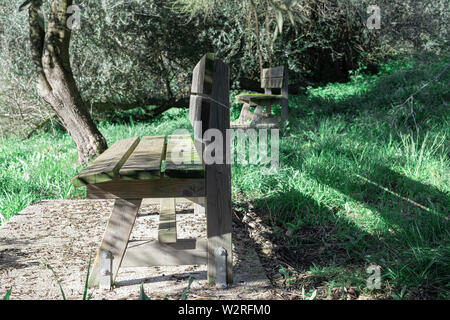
(56, 84)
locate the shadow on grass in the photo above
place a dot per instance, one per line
(329, 249)
(391, 220)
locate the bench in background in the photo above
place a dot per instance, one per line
(271, 78)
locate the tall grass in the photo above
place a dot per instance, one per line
(351, 191)
(382, 193)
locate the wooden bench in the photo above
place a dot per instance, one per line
(167, 168)
(271, 78)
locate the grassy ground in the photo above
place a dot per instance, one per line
(354, 188)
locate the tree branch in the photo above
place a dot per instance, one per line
(161, 103)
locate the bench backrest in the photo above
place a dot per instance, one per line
(273, 78)
(209, 106)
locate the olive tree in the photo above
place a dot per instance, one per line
(55, 81)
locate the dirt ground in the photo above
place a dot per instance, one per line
(65, 234)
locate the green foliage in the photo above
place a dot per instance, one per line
(8, 294)
(351, 190)
(25, 5)
(86, 282)
(142, 295)
(382, 193)
(286, 274)
(59, 283)
(129, 51)
(85, 296)
(184, 295)
(310, 295)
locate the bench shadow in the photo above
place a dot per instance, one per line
(397, 199)
(243, 269)
(309, 245)
(13, 258)
(198, 275)
(321, 236)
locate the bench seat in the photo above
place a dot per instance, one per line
(154, 157)
(259, 99)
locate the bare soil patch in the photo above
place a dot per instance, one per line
(65, 234)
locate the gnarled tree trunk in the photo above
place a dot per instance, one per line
(56, 84)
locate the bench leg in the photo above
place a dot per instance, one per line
(256, 115)
(167, 232)
(115, 239)
(244, 112)
(284, 111)
(219, 218)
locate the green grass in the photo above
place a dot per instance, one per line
(351, 190)
(42, 167)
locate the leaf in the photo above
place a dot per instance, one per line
(41, 21)
(291, 17)
(8, 294)
(185, 292)
(275, 34)
(313, 295)
(142, 295)
(87, 279)
(279, 19)
(59, 283)
(25, 5)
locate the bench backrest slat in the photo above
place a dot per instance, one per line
(273, 78)
(209, 102)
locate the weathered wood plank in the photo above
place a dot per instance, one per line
(260, 99)
(154, 253)
(195, 200)
(257, 114)
(202, 75)
(270, 78)
(285, 101)
(198, 115)
(145, 161)
(152, 188)
(273, 72)
(117, 234)
(182, 158)
(272, 82)
(244, 112)
(218, 177)
(167, 232)
(106, 167)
